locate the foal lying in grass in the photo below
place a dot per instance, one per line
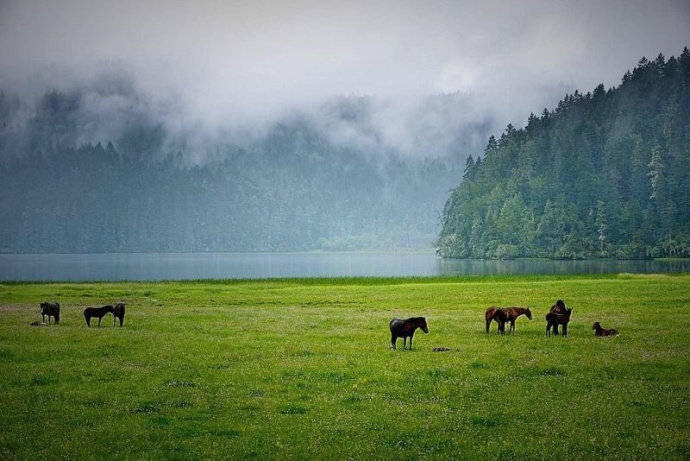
(599, 331)
(406, 328)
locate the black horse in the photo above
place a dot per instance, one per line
(406, 328)
(119, 312)
(96, 312)
(51, 310)
(558, 315)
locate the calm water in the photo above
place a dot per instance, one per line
(159, 266)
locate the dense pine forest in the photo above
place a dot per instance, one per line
(290, 188)
(605, 174)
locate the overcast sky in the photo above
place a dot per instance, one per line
(229, 60)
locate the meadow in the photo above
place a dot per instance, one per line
(303, 369)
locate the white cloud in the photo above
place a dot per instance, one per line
(236, 63)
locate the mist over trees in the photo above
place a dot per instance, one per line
(605, 174)
(99, 170)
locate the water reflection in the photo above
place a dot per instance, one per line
(167, 266)
(542, 266)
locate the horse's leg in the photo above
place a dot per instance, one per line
(404, 342)
(411, 341)
(512, 325)
(565, 329)
(393, 338)
(99, 321)
(488, 324)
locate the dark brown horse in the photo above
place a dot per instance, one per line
(405, 329)
(96, 312)
(501, 315)
(50, 310)
(559, 314)
(599, 331)
(119, 312)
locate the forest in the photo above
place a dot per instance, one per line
(67, 188)
(604, 174)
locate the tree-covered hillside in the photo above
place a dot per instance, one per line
(290, 188)
(605, 174)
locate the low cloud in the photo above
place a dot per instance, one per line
(419, 75)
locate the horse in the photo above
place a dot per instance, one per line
(558, 314)
(505, 314)
(119, 312)
(50, 309)
(499, 316)
(405, 329)
(96, 312)
(599, 331)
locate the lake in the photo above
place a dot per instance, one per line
(180, 266)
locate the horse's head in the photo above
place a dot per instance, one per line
(528, 313)
(421, 323)
(45, 308)
(596, 326)
(560, 304)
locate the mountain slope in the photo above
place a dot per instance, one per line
(605, 174)
(290, 188)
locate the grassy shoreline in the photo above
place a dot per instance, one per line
(361, 280)
(295, 368)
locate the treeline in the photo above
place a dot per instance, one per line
(290, 189)
(605, 174)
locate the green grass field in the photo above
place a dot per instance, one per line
(302, 369)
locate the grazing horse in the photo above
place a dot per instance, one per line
(558, 315)
(599, 331)
(119, 312)
(505, 314)
(498, 315)
(96, 312)
(50, 309)
(406, 328)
